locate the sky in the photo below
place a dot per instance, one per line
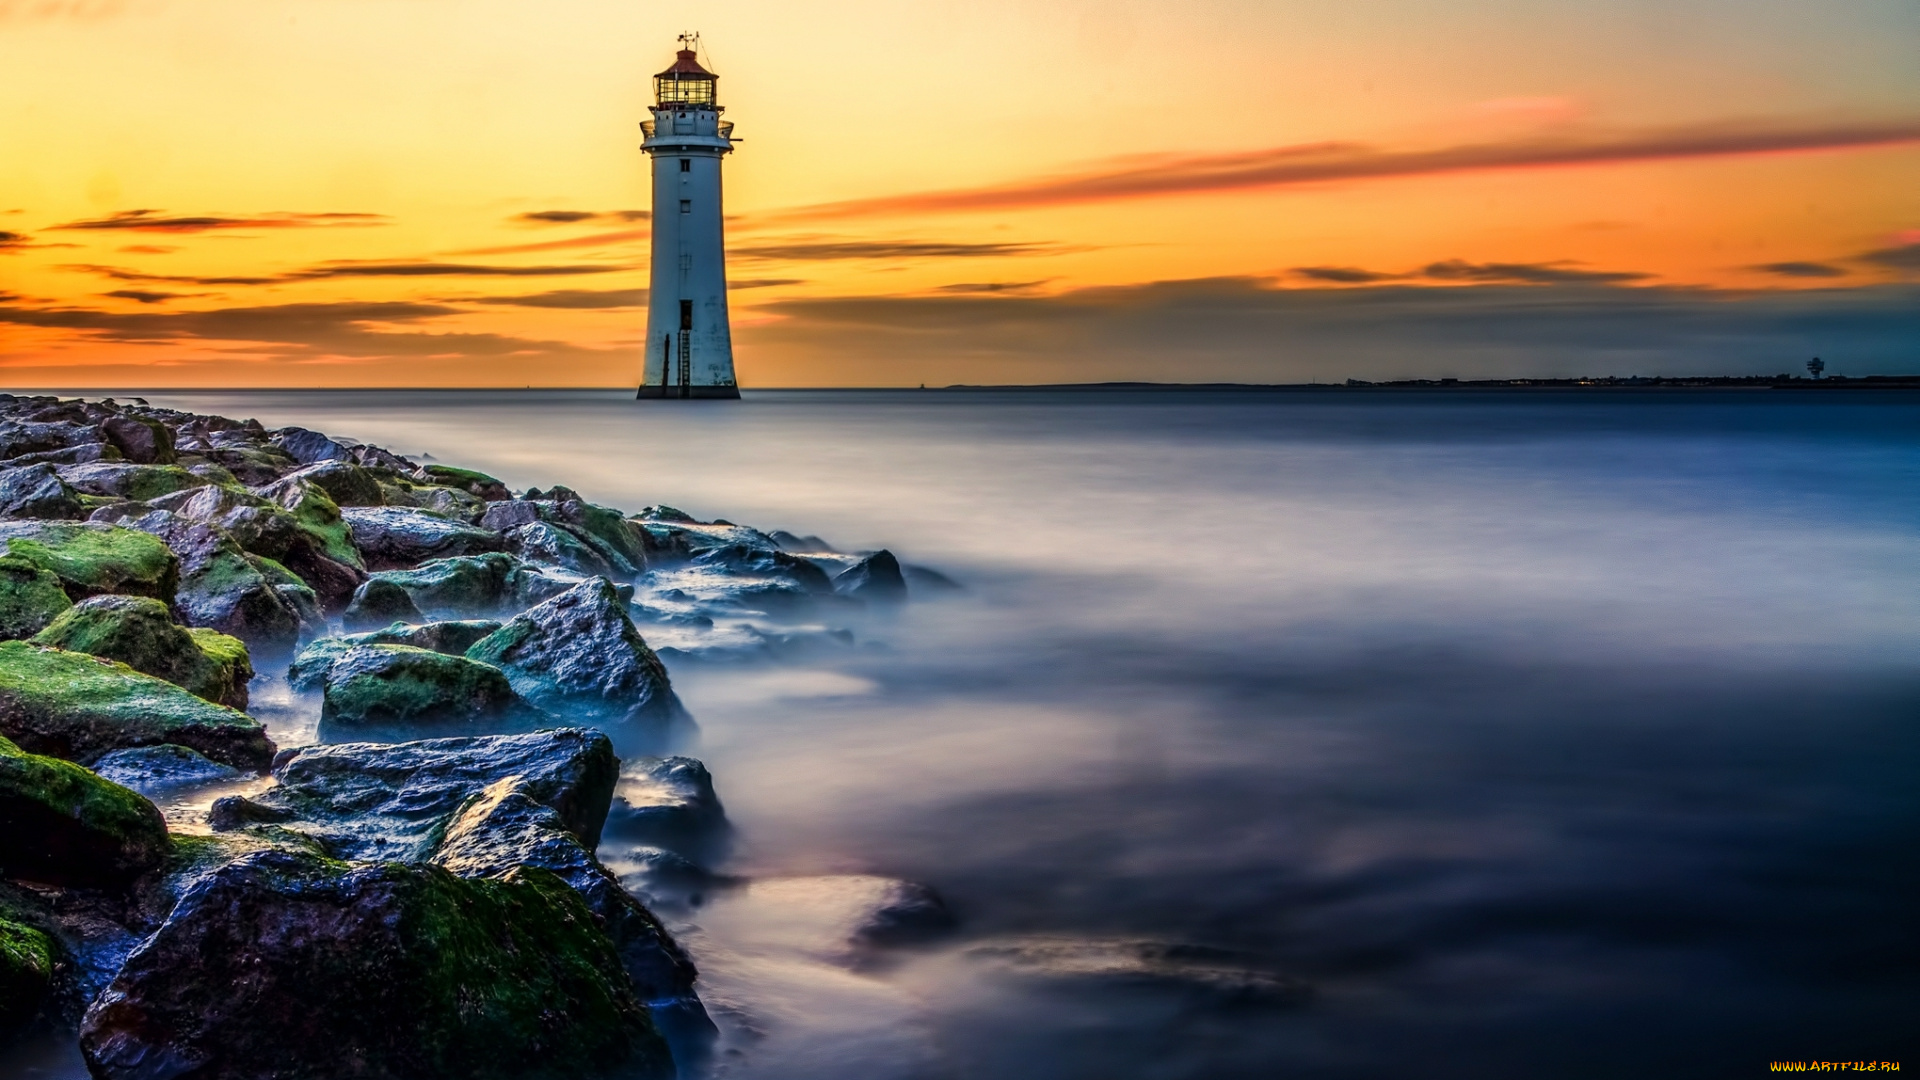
(450, 192)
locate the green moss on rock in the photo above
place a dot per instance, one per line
(30, 598)
(78, 707)
(93, 560)
(140, 632)
(389, 686)
(26, 973)
(61, 824)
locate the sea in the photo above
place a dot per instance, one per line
(1335, 734)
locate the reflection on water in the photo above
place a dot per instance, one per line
(1332, 736)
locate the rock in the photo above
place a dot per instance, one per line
(920, 579)
(789, 542)
(543, 543)
(251, 465)
(226, 589)
(503, 829)
(27, 958)
(452, 638)
(92, 559)
(18, 440)
(378, 602)
(138, 439)
(579, 657)
(124, 480)
(668, 802)
(304, 532)
(510, 513)
(389, 800)
(875, 579)
(398, 687)
(36, 491)
(484, 584)
(621, 542)
(79, 707)
(477, 484)
(282, 965)
(344, 482)
(139, 632)
(1210, 977)
(152, 770)
(308, 447)
(394, 538)
(62, 825)
(30, 598)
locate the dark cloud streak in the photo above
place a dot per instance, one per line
(153, 221)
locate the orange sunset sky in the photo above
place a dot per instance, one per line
(432, 192)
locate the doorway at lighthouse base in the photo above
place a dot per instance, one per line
(731, 393)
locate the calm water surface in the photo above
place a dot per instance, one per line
(1541, 735)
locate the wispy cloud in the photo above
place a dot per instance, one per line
(806, 250)
(144, 296)
(348, 269)
(1315, 163)
(157, 221)
(574, 299)
(1549, 273)
(1801, 270)
(591, 240)
(1343, 275)
(1905, 257)
(575, 217)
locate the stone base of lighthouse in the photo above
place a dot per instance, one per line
(729, 393)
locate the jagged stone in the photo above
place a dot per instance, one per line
(401, 688)
(36, 491)
(140, 632)
(579, 657)
(30, 598)
(875, 579)
(377, 603)
(394, 538)
(93, 559)
(147, 442)
(63, 825)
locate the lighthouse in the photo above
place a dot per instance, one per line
(689, 342)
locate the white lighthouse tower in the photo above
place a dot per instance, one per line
(689, 341)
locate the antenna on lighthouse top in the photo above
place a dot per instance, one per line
(691, 42)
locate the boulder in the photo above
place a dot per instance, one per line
(226, 589)
(344, 482)
(667, 802)
(303, 532)
(540, 542)
(147, 442)
(398, 687)
(27, 958)
(466, 585)
(396, 538)
(125, 480)
(79, 707)
(281, 965)
(308, 447)
(477, 484)
(18, 440)
(453, 638)
(139, 632)
(379, 602)
(579, 657)
(875, 579)
(30, 598)
(93, 559)
(390, 800)
(251, 465)
(62, 825)
(36, 491)
(155, 770)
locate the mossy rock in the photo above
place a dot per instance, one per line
(453, 638)
(462, 585)
(93, 560)
(26, 973)
(294, 967)
(140, 632)
(399, 686)
(76, 706)
(30, 598)
(62, 825)
(130, 481)
(468, 480)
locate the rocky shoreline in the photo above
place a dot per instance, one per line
(419, 892)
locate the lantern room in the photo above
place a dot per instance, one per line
(685, 84)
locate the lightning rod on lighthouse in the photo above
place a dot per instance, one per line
(689, 350)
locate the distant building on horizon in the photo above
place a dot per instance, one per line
(689, 352)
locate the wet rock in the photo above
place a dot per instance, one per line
(401, 688)
(282, 965)
(540, 542)
(668, 802)
(390, 800)
(303, 532)
(62, 825)
(140, 632)
(147, 442)
(451, 637)
(1207, 977)
(875, 579)
(30, 598)
(227, 589)
(251, 465)
(394, 538)
(154, 770)
(344, 482)
(79, 707)
(124, 480)
(308, 447)
(579, 657)
(378, 602)
(36, 491)
(477, 484)
(488, 584)
(27, 957)
(787, 541)
(920, 579)
(93, 559)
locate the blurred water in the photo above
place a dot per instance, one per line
(1539, 734)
